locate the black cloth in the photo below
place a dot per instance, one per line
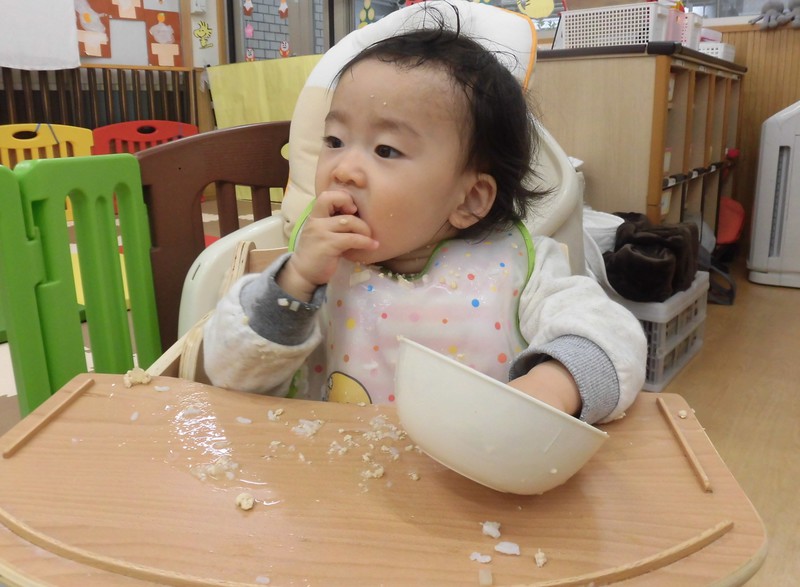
(650, 263)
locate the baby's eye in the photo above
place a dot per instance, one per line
(386, 152)
(332, 142)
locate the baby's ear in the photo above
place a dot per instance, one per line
(477, 202)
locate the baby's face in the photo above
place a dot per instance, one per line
(395, 142)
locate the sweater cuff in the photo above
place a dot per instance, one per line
(591, 368)
(276, 315)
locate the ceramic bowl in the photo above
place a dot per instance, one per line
(486, 430)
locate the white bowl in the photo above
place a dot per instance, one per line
(485, 429)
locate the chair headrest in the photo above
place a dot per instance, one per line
(510, 34)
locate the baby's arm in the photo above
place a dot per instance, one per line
(259, 336)
(552, 383)
(569, 320)
(265, 327)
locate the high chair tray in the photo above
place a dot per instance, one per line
(108, 485)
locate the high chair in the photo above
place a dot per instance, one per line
(174, 178)
(560, 216)
(37, 286)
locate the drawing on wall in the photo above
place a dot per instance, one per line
(159, 38)
(162, 38)
(203, 32)
(92, 30)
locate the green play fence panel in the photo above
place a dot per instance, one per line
(37, 287)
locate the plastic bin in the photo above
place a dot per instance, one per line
(626, 24)
(724, 51)
(674, 330)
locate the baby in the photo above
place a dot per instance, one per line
(422, 185)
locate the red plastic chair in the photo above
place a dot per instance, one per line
(137, 135)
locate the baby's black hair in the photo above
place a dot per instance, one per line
(504, 138)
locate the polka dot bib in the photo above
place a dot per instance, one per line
(463, 305)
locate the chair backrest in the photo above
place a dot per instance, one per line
(30, 141)
(174, 177)
(559, 216)
(37, 288)
(137, 135)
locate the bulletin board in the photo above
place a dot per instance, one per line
(150, 28)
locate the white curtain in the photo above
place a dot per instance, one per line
(38, 34)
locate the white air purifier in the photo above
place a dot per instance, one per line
(775, 240)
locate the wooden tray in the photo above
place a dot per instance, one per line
(102, 485)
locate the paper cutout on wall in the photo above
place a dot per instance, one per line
(250, 54)
(128, 8)
(92, 28)
(158, 37)
(203, 33)
(247, 7)
(162, 38)
(284, 50)
(283, 9)
(248, 31)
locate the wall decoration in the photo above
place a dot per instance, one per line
(283, 9)
(248, 7)
(249, 31)
(250, 54)
(163, 5)
(163, 42)
(203, 33)
(128, 8)
(284, 50)
(155, 31)
(93, 38)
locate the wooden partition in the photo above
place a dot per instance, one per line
(96, 95)
(772, 83)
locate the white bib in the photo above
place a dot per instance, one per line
(463, 305)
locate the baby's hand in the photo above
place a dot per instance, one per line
(551, 383)
(332, 229)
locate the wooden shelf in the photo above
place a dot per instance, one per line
(649, 124)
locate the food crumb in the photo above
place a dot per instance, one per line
(243, 420)
(485, 578)
(414, 476)
(274, 415)
(307, 427)
(540, 558)
(481, 558)
(262, 580)
(376, 472)
(136, 376)
(134, 416)
(491, 529)
(161, 387)
(507, 548)
(245, 501)
(683, 414)
(223, 466)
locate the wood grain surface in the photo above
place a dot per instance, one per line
(109, 491)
